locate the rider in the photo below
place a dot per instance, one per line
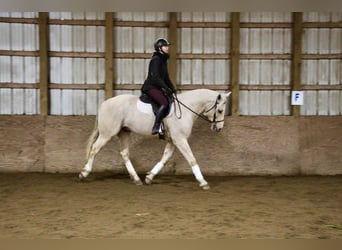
(158, 84)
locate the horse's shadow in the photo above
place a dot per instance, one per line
(181, 181)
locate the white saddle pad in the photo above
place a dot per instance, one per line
(147, 108)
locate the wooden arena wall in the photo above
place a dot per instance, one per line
(57, 67)
(258, 145)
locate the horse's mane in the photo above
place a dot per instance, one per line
(195, 94)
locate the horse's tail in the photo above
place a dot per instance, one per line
(92, 137)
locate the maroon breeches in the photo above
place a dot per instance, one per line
(158, 96)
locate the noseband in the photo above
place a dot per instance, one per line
(201, 115)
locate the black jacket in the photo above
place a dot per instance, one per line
(158, 75)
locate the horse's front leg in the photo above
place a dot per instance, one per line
(168, 151)
(185, 149)
(124, 151)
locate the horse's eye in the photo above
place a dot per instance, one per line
(220, 111)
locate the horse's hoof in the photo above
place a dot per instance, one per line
(81, 177)
(205, 187)
(138, 182)
(148, 180)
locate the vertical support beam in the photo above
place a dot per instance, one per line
(235, 63)
(297, 34)
(44, 63)
(172, 33)
(109, 56)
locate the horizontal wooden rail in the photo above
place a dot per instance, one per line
(127, 86)
(146, 24)
(76, 22)
(77, 54)
(76, 86)
(265, 56)
(18, 53)
(203, 56)
(317, 25)
(19, 20)
(121, 55)
(120, 23)
(322, 87)
(265, 25)
(10, 85)
(203, 25)
(321, 56)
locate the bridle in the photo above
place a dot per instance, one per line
(200, 115)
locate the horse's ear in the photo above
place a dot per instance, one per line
(228, 94)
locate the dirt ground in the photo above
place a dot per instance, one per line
(107, 205)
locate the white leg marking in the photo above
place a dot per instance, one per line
(197, 172)
(87, 169)
(168, 151)
(185, 149)
(199, 177)
(155, 170)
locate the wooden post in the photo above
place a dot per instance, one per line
(297, 33)
(109, 56)
(234, 63)
(173, 51)
(44, 63)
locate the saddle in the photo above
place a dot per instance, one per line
(145, 98)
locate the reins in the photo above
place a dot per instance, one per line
(200, 115)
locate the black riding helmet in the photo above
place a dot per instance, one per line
(160, 43)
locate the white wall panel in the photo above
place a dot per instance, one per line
(76, 38)
(203, 41)
(324, 71)
(310, 103)
(323, 102)
(55, 77)
(6, 101)
(140, 67)
(136, 40)
(197, 71)
(222, 73)
(335, 102)
(264, 72)
(19, 69)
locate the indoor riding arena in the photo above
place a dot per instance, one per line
(275, 169)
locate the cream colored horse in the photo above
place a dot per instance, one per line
(120, 116)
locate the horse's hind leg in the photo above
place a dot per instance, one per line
(124, 137)
(168, 151)
(95, 148)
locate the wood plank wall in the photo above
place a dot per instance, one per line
(247, 145)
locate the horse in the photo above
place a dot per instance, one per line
(119, 116)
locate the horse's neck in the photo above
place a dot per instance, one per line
(199, 99)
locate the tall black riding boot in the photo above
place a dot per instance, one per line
(159, 117)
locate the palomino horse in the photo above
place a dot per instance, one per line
(120, 116)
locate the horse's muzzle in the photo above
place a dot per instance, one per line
(215, 128)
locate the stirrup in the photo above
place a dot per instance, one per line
(160, 130)
(155, 131)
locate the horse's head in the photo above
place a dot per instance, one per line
(216, 112)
